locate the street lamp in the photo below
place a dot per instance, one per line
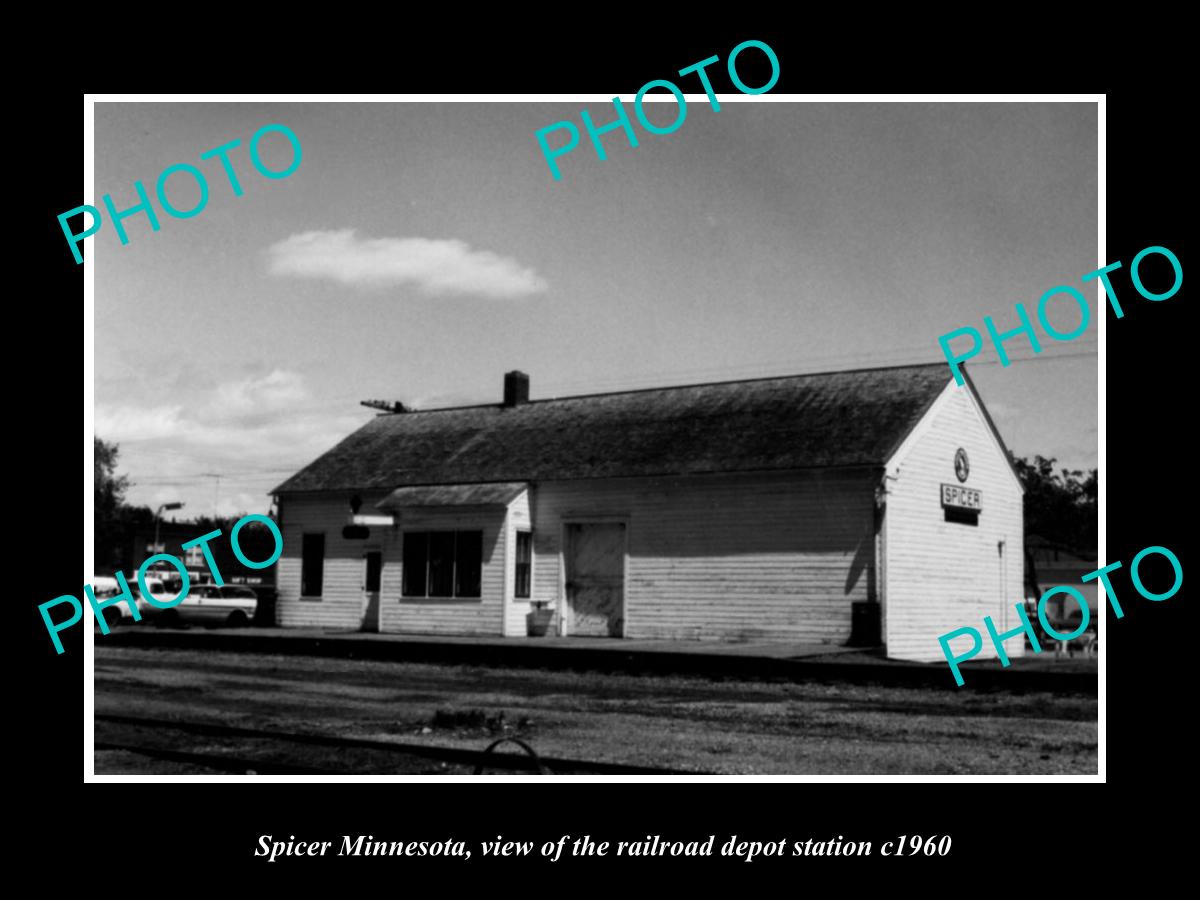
(159, 513)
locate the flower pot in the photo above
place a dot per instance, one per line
(537, 623)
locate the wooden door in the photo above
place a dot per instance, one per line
(595, 579)
(372, 572)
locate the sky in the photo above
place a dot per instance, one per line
(421, 250)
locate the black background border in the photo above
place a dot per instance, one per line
(211, 833)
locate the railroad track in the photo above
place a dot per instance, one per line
(528, 761)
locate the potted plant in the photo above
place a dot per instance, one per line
(537, 623)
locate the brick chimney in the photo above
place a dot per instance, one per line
(516, 388)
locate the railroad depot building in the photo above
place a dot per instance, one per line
(863, 507)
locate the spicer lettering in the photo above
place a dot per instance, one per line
(160, 189)
(1085, 614)
(126, 596)
(622, 121)
(1065, 291)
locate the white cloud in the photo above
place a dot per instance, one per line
(278, 390)
(435, 267)
(139, 424)
(253, 431)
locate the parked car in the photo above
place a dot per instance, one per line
(105, 586)
(230, 604)
(158, 589)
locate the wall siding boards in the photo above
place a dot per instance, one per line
(341, 604)
(444, 615)
(745, 557)
(941, 575)
(515, 611)
(772, 556)
(723, 557)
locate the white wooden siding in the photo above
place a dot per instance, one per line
(448, 615)
(725, 557)
(941, 576)
(515, 611)
(341, 604)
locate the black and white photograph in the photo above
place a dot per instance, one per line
(461, 438)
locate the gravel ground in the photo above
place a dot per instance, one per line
(728, 727)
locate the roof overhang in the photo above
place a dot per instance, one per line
(440, 496)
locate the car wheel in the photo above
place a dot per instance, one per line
(167, 619)
(112, 617)
(237, 619)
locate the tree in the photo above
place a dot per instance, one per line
(115, 521)
(1060, 506)
(110, 487)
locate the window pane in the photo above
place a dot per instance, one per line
(468, 563)
(416, 555)
(312, 565)
(441, 564)
(524, 560)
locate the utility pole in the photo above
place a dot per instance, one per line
(158, 517)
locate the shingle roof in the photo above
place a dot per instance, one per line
(801, 421)
(453, 495)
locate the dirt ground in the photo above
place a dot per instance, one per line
(687, 723)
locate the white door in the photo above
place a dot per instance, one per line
(595, 579)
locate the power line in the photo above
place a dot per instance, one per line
(783, 369)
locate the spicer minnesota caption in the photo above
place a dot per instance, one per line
(653, 845)
(98, 606)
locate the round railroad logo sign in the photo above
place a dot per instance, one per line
(962, 468)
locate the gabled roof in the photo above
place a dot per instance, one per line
(830, 419)
(896, 454)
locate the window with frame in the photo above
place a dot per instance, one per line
(442, 564)
(312, 565)
(524, 568)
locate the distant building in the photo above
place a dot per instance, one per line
(1050, 564)
(172, 536)
(875, 507)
